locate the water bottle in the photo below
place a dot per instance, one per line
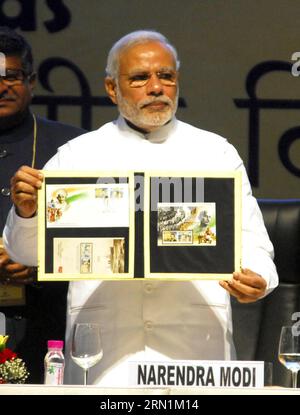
(54, 363)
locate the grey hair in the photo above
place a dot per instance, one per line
(131, 39)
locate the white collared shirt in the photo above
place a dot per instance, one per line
(151, 320)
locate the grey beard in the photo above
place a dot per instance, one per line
(135, 114)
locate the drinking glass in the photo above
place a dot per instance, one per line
(289, 351)
(86, 348)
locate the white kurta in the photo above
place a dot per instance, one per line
(151, 320)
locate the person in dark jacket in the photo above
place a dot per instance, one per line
(34, 312)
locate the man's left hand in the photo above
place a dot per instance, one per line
(14, 273)
(246, 286)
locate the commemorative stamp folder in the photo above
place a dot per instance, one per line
(130, 225)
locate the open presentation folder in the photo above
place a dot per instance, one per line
(128, 225)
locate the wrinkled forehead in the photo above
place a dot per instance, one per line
(146, 56)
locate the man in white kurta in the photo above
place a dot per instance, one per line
(150, 320)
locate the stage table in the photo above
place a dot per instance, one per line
(9, 389)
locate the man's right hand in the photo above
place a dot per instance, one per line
(24, 186)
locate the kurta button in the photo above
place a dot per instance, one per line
(3, 153)
(148, 288)
(5, 191)
(148, 325)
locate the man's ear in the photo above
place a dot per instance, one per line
(111, 89)
(32, 81)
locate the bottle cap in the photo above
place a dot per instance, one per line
(55, 344)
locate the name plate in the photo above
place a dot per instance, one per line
(203, 373)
